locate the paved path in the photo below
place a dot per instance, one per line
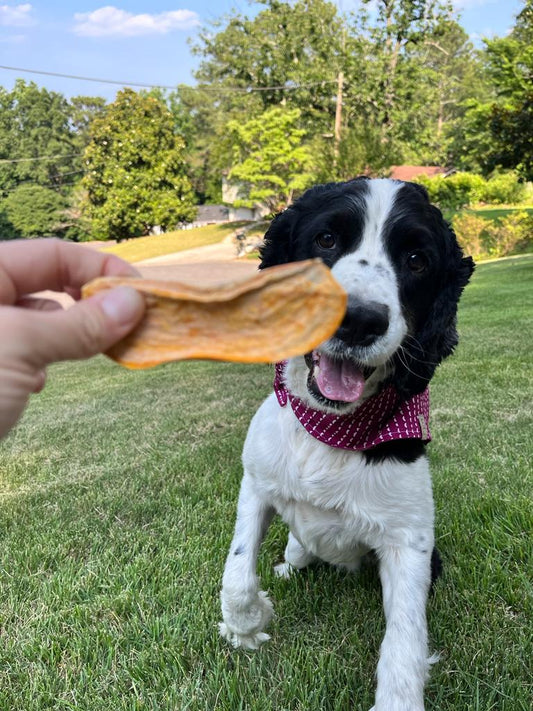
(204, 265)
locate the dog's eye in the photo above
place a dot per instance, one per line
(417, 262)
(326, 240)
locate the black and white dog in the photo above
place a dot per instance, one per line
(338, 449)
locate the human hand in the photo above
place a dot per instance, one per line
(35, 332)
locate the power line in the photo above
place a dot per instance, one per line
(101, 81)
(27, 160)
(31, 183)
(242, 89)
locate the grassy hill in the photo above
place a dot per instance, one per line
(136, 250)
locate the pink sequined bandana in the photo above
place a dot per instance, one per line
(379, 419)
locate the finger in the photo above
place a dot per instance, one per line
(27, 266)
(74, 292)
(38, 304)
(40, 381)
(91, 326)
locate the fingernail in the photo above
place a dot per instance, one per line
(122, 304)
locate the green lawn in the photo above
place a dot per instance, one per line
(497, 212)
(118, 492)
(135, 250)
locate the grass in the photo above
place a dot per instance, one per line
(117, 500)
(135, 250)
(498, 212)
(488, 212)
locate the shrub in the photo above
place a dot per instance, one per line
(433, 185)
(510, 235)
(487, 238)
(454, 192)
(462, 189)
(503, 188)
(472, 233)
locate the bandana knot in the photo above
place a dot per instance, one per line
(382, 418)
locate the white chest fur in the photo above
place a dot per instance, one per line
(332, 499)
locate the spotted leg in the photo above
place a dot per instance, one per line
(246, 610)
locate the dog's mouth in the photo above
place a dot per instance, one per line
(335, 381)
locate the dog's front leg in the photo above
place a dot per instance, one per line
(403, 663)
(246, 609)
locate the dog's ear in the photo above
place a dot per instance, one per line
(421, 190)
(437, 337)
(276, 247)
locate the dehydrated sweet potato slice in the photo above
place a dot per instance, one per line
(280, 312)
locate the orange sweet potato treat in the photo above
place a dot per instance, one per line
(279, 312)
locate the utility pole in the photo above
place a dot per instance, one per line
(338, 105)
(338, 114)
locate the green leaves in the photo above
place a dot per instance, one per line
(136, 177)
(32, 211)
(505, 126)
(269, 160)
(34, 123)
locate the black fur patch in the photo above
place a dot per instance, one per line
(436, 567)
(406, 451)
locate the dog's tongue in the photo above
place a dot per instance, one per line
(339, 379)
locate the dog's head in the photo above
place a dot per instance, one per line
(404, 272)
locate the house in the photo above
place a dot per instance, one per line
(232, 194)
(211, 215)
(208, 215)
(409, 172)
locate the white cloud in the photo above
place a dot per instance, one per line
(15, 15)
(111, 21)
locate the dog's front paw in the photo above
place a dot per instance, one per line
(248, 641)
(398, 705)
(244, 622)
(283, 570)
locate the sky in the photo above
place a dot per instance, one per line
(145, 41)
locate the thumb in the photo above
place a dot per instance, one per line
(91, 326)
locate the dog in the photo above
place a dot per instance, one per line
(338, 449)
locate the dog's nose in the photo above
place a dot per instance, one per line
(363, 323)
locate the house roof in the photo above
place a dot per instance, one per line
(408, 172)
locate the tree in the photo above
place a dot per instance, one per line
(290, 53)
(35, 132)
(269, 160)
(34, 211)
(83, 111)
(7, 230)
(399, 31)
(498, 130)
(448, 74)
(297, 45)
(511, 126)
(511, 66)
(365, 98)
(135, 169)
